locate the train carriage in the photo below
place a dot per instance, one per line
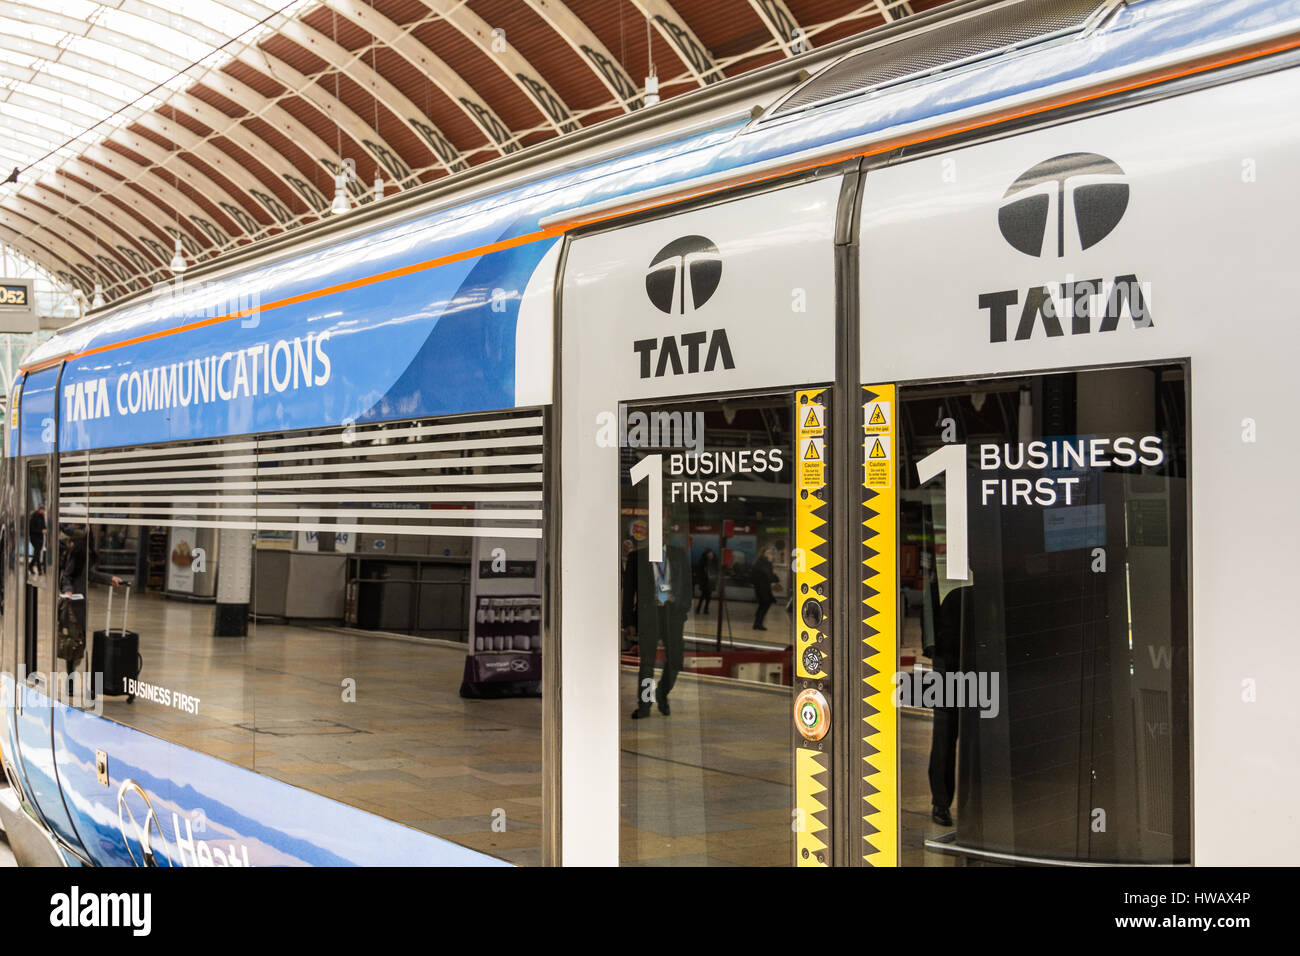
(919, 343)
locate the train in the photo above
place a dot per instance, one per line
(1001, 294)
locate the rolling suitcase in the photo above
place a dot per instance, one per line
(116, 653)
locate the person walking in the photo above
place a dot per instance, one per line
(763, 577)
(663, 602)
(706, 573)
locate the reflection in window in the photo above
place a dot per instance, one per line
(1058, 726)
(706, 634)
(336, 660)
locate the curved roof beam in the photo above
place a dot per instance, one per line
(289, 126)
(393, 99)
(894, 9)
(69, 197)
(105, 258)
(783, 26)
(510, 60)
(278, 167)
(451, 83)
(592, 51)
(188, 142)
(260, 195)
(220, 122)
(148, 148)
(246, 97)
(140, 204)
(677, 33)
(141, 47)
(43, 257)
(77, 263)
(196, 218)
(159, 157)
(42, 79)
(348, 122)
(117, 264)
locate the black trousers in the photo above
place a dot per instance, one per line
(706, 595)
(765, 601)
(659, 627)
(943, 748)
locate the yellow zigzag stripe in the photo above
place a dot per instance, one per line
(880, 655)
(810, 798)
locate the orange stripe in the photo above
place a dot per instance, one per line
(941, 132)
(308, 296)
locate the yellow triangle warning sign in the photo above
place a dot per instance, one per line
(877, 450)
(811, 453)
(877, 418)
(812, 421)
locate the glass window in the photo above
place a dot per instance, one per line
(37, 651)
(299, 605)
(1044, 690)
(706, 633)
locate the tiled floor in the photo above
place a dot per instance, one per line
(408, 747)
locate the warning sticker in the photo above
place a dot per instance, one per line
(812, 420)
(879, 461)
(879, 418)
(812, 455)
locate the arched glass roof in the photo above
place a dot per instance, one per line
(132, 127)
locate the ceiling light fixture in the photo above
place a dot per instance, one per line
(341, 203)
(178, 263)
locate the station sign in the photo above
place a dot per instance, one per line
(17, 306)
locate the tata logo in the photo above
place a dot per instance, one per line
(683, 275)
(680, 281)
(1089, 185)
(1033, 219)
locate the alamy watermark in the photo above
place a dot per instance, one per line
(650, 429)
(948, 689)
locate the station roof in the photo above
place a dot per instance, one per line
(131, 126)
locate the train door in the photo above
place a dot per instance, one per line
(695, 560)
(13, 577)
(42, 675)
(1035, 477)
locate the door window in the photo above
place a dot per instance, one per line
(1043, 686)
(706, 632)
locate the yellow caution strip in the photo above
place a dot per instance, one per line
(812, 627)
(879, 626)
(812, 798)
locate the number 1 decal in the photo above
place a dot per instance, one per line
(652, 465)
(950, 461)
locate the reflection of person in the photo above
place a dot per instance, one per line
(71, 645)
(763, 578)
(663, 602)
(945, 655)
(627, 615)
(706, 573)
(36, 536)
